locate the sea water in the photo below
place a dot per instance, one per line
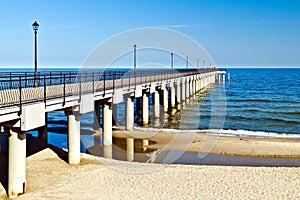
(256, 102)
(264, 100)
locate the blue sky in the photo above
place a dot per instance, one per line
(236, 33)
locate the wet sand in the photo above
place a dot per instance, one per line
(216, 144)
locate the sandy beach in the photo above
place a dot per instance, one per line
(50, 177)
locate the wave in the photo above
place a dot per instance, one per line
(287, 113)
(278, 120)
(228, 132)
(247, 100)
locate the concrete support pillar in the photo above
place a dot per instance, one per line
(156, 104)
(194, 86)
(165, 99)
(145, 110)
(43, 131)
(223, 78)
(200, 83)
(178, 94)
(130, 149)
(114, 108)
(129, 118)
(187, 88)
(16, 163)
(73, 137)
(183, 91)
(191, 87)
(107, 124)
(173, 97)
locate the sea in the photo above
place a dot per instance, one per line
(256, 102)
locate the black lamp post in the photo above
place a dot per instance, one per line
(134, 63)
(35, 27)
(172, 60)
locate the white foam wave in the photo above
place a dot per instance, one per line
(233, 133)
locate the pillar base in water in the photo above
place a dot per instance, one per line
(145, 144)
(130, 149)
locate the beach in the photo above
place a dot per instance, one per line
(50, 177)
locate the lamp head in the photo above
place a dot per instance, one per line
(35, 26)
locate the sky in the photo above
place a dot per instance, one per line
(236, 33)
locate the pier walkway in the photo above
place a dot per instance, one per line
(24, 107)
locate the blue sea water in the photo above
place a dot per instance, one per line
(258, 100)
(266, 100)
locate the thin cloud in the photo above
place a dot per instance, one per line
(272, 22)
(185, 25)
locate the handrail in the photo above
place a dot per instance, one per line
(68, 83)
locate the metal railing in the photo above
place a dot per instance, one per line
(17, 89)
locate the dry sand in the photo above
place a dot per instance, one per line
(50, 177)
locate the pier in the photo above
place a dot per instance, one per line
(26, 98)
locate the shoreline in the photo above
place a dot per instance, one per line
(203, 142)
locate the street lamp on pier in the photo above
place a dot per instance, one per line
(35, 27)
(172, 60)
(187, 62)
(134, 63)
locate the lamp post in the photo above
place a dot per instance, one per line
(134, 63)
(35, 27)
(197, 63)
(172, 60)
(203, 63)
(187, 62)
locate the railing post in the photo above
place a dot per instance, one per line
(20, 93)
(104, 78)
(122, 82)
(129, 81)
(71, 77)
(45, 92)
(79, 100)
(50, 78)
(64, 90)
(10, 80)
(61, 77)
(25, 79)
(93, 77)
(114, 77)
